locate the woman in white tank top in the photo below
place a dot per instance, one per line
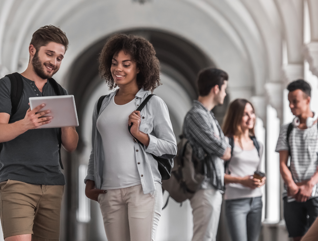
(123, 176)
(243, 197)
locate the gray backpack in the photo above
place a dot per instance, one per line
(187, 174)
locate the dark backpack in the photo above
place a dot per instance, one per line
(164, 165)
(231, 143)
(187, 174)
(16, 94)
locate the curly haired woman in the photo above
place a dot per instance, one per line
(123, 176)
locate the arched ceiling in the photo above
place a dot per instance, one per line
(218, 28)
(243, 37)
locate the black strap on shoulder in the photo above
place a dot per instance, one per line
(99, 103)
(56, 86)
(142, 105)
(16, 91)
(256, 144)
(226, 163)
(289, 130)
(231, 143)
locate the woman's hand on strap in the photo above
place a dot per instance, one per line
(134, 123)
(91, 192)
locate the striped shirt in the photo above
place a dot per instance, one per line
(208, 142)
(304, 149)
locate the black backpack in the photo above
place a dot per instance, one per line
(231, 143)
(16, 94)
(165, 165)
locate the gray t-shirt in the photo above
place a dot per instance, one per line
(304, 149)
(32, 157)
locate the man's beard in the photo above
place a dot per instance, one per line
(37, 66)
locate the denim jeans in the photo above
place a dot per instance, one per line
(244, 218)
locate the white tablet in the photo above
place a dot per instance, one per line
(62, 109)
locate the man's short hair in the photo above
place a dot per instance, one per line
(46, 34)
(210, 77)
(300, 84)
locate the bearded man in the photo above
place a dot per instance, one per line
(31, 181)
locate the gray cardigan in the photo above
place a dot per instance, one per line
(156, 123)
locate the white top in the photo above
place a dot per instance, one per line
(120, 167)
(242, 163)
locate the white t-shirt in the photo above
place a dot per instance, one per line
(120, 167)
(242, 163)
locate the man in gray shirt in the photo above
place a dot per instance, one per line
(209, 145)
(31, 182)
(301, 178)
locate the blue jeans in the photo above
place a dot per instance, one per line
(244, 218)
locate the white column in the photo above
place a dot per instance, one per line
(311, 55)
(274, 110)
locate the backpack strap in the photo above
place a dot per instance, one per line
(56, 86)
(231, 143)
(16, 91)
(166, 203)
(289, 130)
(226, 163)
(258, 148)
(99, 103)
(256, 144)
(142, 105)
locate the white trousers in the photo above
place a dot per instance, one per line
(206, 209)
(131, 215)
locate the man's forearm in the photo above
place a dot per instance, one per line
(286, 174)
(69, 138)
(10, 131)
(314, 179)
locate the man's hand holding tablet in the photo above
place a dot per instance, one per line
(61, 108)
(36, 118)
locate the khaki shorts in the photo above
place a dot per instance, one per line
(31, 209)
